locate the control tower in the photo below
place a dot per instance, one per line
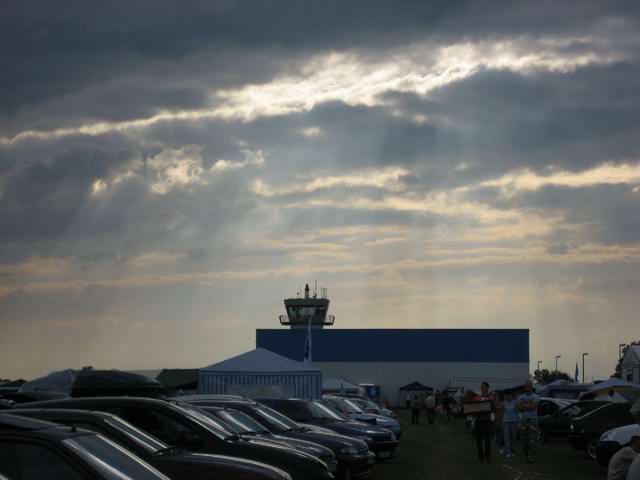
(308, 310)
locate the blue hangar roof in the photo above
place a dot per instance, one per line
(400, 345)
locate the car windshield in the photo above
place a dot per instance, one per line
(320, 411)
(146, 441)
(110, 459)
(208, 421)
(243, 423)
(351, 406)
(275, 420)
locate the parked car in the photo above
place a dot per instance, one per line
(350, 409)
(380, 441)
(33, 450)
(585, 431)
(557, 424)
(551, 406)
(370, 407)
(242, 424)
(353, 456)
(186, 426)
(176, 463)
(613, 440)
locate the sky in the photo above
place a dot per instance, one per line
(169, 172)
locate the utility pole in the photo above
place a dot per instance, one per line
(539, 362)
(583, 355)
(557, 357)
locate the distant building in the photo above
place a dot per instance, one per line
(391, 358)
(630, 367)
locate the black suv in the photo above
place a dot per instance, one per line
(186, 426)
(585, 431)
(174, 462)
(353, 455)
(32, 450)
(380, 441)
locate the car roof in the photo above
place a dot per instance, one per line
(14, 423)
(69, 412)
(92, 400)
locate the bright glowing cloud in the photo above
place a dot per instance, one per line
(386, 179)
(606, 174)
(348, 78)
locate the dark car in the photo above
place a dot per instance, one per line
(353, 455)
(380, 441)
(557, 424)
(585, 431)
(35, 450)
(176, 463)
(352, 410)
(186, 426)
(242, 424)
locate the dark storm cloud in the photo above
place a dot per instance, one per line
(55, 59)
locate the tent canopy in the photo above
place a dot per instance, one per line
(416, 387)
(613, 389)
(259, 360)
(261, 373)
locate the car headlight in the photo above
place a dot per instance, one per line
(606, 436)
(348, 451)
(571, 429)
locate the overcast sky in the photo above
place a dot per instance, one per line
(170, 172)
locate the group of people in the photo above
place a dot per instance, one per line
(430, 403)
(507, 416)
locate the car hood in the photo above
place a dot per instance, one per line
(622, 435)
(223, 466)
(324, 434)
(355, 429)
(306, 446)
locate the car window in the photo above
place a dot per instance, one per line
(320, 411)
(291, 410)
(274, 419)
(163, 427)
(28, 461)
(242, 422)
(110, 459)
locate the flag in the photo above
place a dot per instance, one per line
(577, 373)
(307, 345)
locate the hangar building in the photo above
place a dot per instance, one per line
(391, 358)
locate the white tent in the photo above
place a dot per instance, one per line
(261, 373)
(614, 389)
(338, 385)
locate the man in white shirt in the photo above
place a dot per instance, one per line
(620, 463)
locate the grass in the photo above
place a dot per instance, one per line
(446, 451)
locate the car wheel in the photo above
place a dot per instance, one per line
(591, 449)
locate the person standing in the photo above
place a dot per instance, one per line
(445, 401)
(620, 463)
(499, 411)
(509, 424)
(527, 405)
(415, 409)
(430, 405)
(634, 469)
(483, 426)
(407, 399)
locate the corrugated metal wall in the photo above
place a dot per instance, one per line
(401, 345)
(439, 375)
(296, 384)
